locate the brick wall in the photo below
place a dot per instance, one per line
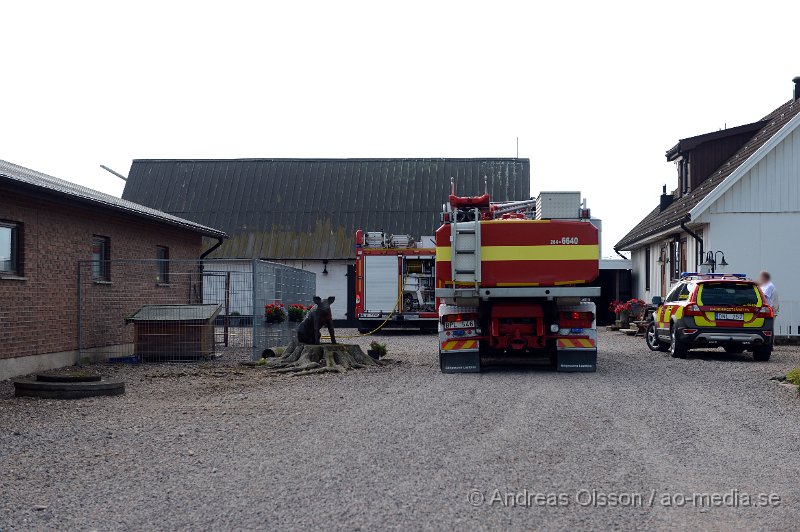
(39, 314)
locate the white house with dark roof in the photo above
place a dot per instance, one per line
(747, 209)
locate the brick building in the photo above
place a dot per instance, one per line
(47, 226)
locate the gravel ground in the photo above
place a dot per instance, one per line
(222, 447)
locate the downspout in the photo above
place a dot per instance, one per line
(696, 237)
(206, 253)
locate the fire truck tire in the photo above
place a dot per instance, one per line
(678, 348)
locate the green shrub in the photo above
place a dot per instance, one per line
(793, 376)
(380, 348)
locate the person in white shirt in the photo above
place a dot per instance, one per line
(765, 282)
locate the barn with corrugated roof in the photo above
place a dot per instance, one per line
(305, 212)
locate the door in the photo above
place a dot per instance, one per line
(351, 295)
(679, 293)
(381, 283)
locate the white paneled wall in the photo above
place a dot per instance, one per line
(763, 241)
(333, 283)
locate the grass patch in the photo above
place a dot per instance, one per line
(793, 377)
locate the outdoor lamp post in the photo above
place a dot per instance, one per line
(711, 260)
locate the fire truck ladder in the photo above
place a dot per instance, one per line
(466, 251)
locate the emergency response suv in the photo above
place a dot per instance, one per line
(713, 310)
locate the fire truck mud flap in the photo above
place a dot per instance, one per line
(576, 359)
(460, 361)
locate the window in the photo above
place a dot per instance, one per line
(683, 176)
(683, 252)
(647, 268)
(10, 262)
(673, 294)
(679, 292)
(162, 265)
(675, 259)
(686, 290)
(729, 294)
(101, 255)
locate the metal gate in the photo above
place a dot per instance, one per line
(185, 310)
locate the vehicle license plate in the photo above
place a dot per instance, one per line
(469, 324)
(730, 317)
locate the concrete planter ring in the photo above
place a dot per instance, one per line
(67, 386)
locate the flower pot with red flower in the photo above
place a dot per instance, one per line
(623, 311)
(274, 313)
(298, 312)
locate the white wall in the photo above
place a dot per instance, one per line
(772, 185)
(762, 241)
(640, 289)
(334, 283)
(638, 258)
(755, 223)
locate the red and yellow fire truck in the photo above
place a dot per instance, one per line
(395, 282)
(511, 282)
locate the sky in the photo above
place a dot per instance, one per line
(595, 91)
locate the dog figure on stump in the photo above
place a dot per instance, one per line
(318, 317)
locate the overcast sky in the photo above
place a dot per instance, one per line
(595, 91)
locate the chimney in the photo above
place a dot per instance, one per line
(796, 88)
(666, 199)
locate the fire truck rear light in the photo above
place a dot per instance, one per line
(766, 312)
(451, 318)
(767, 333)
(554, 328)
(358, 299)
(459, 317)
(576, 320)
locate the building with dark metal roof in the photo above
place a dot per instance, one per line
(305, 212)
(280, 209)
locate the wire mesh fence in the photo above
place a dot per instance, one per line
(173, 310)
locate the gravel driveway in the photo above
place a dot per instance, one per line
(223, 447)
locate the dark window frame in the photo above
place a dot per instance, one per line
(675, 259)
(162, 264)
(15, 248)
(684, 180)
(101, 268)
(647, 268)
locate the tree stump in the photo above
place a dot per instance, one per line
(309, 359)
